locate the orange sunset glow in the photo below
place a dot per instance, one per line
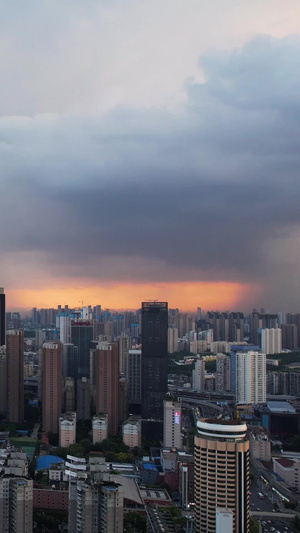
(186, 296)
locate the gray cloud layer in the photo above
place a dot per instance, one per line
(209, 192)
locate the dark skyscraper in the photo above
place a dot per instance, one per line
(15, 375)
(51, 364)
(154, 358)
(81, 336)
(70, 361)
(2, 317)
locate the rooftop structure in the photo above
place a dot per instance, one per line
(280, 407)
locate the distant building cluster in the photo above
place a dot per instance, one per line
(205, 393)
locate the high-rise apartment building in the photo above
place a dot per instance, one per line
(15, 375)
(13, 321)
(172, 423)
(67, 429)
(242, 347)
(133, 372)
(51, 362)
(123, 399)
(64, 324)
(271, 340)
(154, 358)
(260, 321)
(186, 480)
(236, 327)
(16, 505)
(221, 474)
(100, 428)
(219, 323)
(83, 399)
(105, 375)
(68, 395)
(95, 507)
(251, 383)
(198, 376)
(132, 432)
(290, 336)
(112, 514)
(2, 317)
(222, 373)
(172, 339)
(48, 317)
(124, 346)
(3, 382)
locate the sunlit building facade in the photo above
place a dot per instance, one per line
(221, 474)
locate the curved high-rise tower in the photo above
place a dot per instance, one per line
(221, 474)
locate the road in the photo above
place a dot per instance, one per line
(34, 434)
(269, 482)
(271, 520)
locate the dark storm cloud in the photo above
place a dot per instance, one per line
(208, 193)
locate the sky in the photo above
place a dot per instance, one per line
(149, 149)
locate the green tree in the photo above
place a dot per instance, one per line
(134, 522)
(53, 438)
(110, 457)
(296, 444)
(254, 525)
(123, 457)
(76, 450)
(296, 522)
(86, 445)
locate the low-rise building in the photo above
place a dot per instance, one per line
(158, 496)
(13, 463)
(224, 520)
(285, 469)
(81, 469)
(148, 473)
(56, 472)
(50, 499)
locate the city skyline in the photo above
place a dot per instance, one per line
(149, 151)
(129, 297)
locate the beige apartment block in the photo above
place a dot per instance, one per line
(100, 428)
(67, 429)
(132, 432)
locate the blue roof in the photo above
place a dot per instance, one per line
(45, 461)
(149, 466)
